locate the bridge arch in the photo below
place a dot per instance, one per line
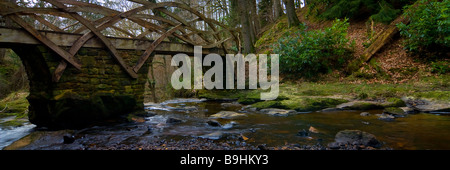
(78, 74)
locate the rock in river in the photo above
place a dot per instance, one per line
(278, 112)
(214, 135)
(385, 117)
(428, 105)
(231, 105)
(356, 137)
(395, 111)
(227, 115)
(365, 114)
(214, 123)
(173, 120)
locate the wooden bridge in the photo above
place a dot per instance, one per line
(81, 73)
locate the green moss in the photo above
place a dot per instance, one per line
(311, 104)
(267, 104)
(17, 105)
(365, 106)
(396, 102)
(13, 123)
(221, 94)
(434, 95)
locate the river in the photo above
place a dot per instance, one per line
(184, 119)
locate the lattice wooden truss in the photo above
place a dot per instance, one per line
(171, 25)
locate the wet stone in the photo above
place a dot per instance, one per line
(394, 111)
(303, 133)
(173, 121)
(385, 117)
(214, 123)
(278, 112)
(227, 115)
(365, 114)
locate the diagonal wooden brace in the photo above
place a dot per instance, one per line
(150, 50)
(44, 40)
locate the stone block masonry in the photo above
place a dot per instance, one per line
(100, 90)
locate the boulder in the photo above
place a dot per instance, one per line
(357, 137)
(230, 105)
(186, 109)
(214, 123)
(394, 111)
(303, 133)
(385, 117)
(249, 108)
(365, 114)
(361, 105)
(227, 115)
(428, 105)
(214, 135)
(408, 110)
(173, 120)
(278, 112)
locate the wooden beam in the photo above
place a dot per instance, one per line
(44, 40)
(97, 32)
(152, 47)
(11, 36)
(383, 38)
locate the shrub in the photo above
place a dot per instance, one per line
(428, 33)
(309, 53)
(440, 67)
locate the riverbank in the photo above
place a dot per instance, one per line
(430, 94)
(303, 107)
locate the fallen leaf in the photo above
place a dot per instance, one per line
(244, 138)
(313, 130)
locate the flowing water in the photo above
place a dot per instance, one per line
(177, 119)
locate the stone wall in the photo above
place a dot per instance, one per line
(99, 91)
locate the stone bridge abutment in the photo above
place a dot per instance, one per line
(100, 90)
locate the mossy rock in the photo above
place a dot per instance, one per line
(13, 123)
(267, 104)
(311, 104)
(395, 102)
(395, 111)
(361, 105)
(366, 106)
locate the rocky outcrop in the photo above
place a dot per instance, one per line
(428, 105)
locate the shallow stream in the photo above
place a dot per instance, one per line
(181, 118)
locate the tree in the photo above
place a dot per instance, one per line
(277, 10)
(265, 11)
(255, 18)
(246, 27)
(291, 14)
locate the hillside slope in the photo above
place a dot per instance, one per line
(392, 64)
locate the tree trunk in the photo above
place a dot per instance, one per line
(255, 18)
(246, 27)
(277, 10)
(234, 13)
(291, 14)
(383, 38)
